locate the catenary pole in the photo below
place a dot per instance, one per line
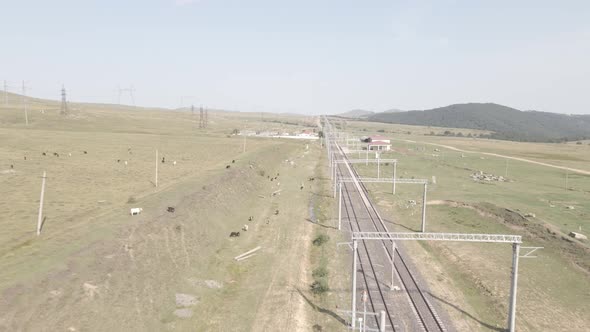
(424, 208)
(513, 288)
(353, 305)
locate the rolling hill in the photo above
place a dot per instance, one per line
(356, 114)
(505, 122)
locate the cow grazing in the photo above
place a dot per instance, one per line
(135, 211)
(245, 228)
(301, 187)
(234, 234)
(233, 161)
(69, 154)
(171, 209)
(228, 166)
(11, 166)
(250, 218)
(276, 212)
(174, 163)
(272, 179)
(85, 152)
(43, 153)
(125, 162)
(25, 157)
(118, 160)
(163, 160)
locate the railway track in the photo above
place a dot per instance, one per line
(363, 216)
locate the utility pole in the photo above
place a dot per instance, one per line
(157, 167)
(40, 218)
(201, 118)
(25, 104)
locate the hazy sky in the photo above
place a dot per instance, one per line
(302, 56)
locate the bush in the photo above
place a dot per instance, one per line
(317, 328)
(261, 172)
(319, 287)
(320, 272)
(131, 200)
(320, 239)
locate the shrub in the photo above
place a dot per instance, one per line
(320, 272)
(131, 200)
(261, 172)
(320, 239)
(319, 286)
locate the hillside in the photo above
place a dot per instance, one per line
(505, 122)
(356, 114)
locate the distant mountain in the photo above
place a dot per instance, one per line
(394, 110)
(356, 114)
(505, 122)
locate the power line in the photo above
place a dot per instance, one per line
(25, 104)
(129, 91)
(64, 103)
(203, 117)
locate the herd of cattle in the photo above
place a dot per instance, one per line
(55, 154)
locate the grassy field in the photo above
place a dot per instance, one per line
(96, 268)
(472, 280)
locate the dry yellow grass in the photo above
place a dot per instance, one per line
(94, 267)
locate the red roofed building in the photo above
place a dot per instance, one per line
(380, 143)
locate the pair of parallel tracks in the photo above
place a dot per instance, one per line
(426, 317)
